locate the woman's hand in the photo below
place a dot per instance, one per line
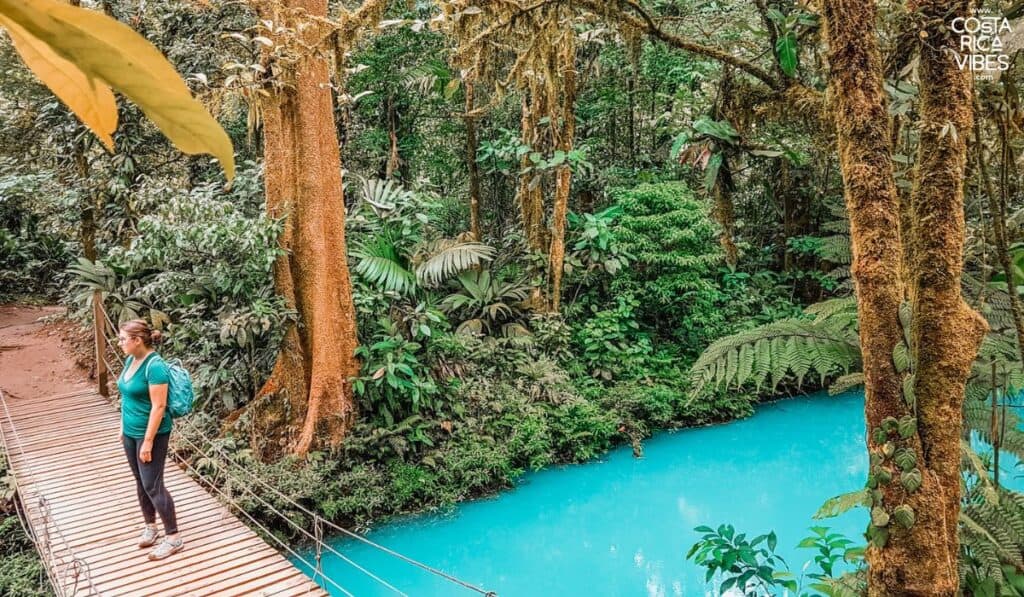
(146, 451)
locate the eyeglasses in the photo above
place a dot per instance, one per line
(122, 339)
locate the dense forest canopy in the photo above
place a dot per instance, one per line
(471, 238)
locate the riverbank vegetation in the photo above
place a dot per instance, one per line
(467, 240)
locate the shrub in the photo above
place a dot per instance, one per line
(201, 269)
(676, 255)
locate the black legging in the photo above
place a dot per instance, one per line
(149, 481)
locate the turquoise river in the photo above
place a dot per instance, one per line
(622, 525)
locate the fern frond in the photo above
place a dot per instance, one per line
(827, 309)
(384, 196)
(845, 382)
(773, 351)
(836, 249)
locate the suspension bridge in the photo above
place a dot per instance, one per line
(76, 500)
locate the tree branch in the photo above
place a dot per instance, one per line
(645, 22)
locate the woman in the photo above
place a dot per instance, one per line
(145, 431)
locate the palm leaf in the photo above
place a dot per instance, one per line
(445, 258)
(381, 265)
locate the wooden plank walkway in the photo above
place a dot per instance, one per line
(79, 495)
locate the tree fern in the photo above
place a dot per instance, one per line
(825, 345)
(991, 524)
(992, 536)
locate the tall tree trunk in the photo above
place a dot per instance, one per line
(563, 177)
(631, 122)
(474, 169)
(307, 401)
(723, 211)
(946, 332)
(901, 561)
(90, 205)
(393, 159)
(531, 190)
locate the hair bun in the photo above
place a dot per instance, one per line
(157, 336)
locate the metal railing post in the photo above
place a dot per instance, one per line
(101, 342)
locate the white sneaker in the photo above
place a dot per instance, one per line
(149, 535)
(166, 548)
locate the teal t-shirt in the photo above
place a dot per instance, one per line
(135, 404)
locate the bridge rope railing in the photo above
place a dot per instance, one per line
(316, 536)
(64, 569)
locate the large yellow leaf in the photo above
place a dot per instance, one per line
(106, 50)
(90, 99)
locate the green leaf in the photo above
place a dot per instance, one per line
(911, 480)
(711, 172)
(451, 88)
(907, 426)
(908, 390)
(677, 145)
(878, 536)
(879, 517)
(842, 503)
(88, 49)
(905, 459)
(767, 153)
(786, 51)
(904, 516)
(901, 357)
(719, 129)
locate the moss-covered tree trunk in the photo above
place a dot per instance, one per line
(862, 135)
(531, 190)
(307, 401)
(563, 177)
(915, 502)
(474, 169)
(946, 332)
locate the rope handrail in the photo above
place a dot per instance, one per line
(312, 514)
(267, 531)
(319, 542)
(73, 562)
(29, 530)
(347, 532)
(316, 517)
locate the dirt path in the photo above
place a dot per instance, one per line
(34, 358)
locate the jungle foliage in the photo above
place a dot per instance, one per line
(706, 246)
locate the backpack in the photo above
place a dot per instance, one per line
(180, 395)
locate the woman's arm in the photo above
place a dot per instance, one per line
(158, 399)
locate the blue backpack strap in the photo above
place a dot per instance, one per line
(155, 356)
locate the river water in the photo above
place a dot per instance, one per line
(622, 525)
